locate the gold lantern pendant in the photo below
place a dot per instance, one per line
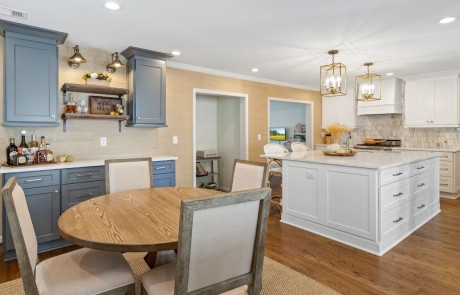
(368, 86)
(333, 78)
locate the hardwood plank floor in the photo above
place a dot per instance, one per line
(427, 262)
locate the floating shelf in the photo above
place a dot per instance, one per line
(93, 89)
(71, 116)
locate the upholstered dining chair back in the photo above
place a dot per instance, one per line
(83, 271)
(128, 174)
(300, 147)
(248, 175)
(222, 242)
(22, 231)
(274, 148)
(221, 247)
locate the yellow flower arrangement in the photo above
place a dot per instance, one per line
(336, 130)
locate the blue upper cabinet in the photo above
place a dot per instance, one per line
(31, 75)
(146, 75)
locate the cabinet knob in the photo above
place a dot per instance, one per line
(53, 116)
(56, 191)
(138, 118)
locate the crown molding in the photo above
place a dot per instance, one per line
(454, 72)
(235, 76)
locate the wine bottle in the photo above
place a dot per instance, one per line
(23, 140)
(11, 152)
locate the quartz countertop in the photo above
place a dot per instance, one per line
(450, 150)
(363, 159)
(74, 164)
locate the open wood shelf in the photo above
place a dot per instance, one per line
(72, 116)
(93, 89)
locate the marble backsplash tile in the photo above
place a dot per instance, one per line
(391, 126)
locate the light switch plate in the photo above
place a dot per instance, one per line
(175, 139)
(103, 141)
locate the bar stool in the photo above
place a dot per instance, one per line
(276, 170)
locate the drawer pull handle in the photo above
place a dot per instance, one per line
(421, 206)
(444, 183)
(444, 156)
(420, 167)
(160, 168)
(33, 180)
(420, 185)
(443, 169)
(397, 174)
(84, 174)
(84, 196)
(397, 195)
(398, 220)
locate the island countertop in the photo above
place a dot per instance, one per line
(363, 159)
(74, 164)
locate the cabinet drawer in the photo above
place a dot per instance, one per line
(419, 204)
(394, 194)
(36, 178)
(164, 180)
(418, 167)
(75, 193)
(419, 184)
(394, 174)
(76, 175)
(443, 156)
(446, 184)
(162, 167)
(446, 168)
(395, 220)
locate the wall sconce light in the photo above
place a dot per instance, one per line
(115, 64)
(76, 59)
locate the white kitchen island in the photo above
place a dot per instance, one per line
(371, 201)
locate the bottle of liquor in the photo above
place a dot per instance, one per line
(21, 158)
(33, 148)
(23, 140)
(40, 155)
(11, 152)
(49, 154)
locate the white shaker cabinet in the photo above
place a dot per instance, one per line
(339, 109)
(432, 102)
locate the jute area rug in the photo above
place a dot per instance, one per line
(277, 279)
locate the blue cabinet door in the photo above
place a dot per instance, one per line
(31, 82)
(164, 173)
(147, 96)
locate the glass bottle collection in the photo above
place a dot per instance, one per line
(28, 154)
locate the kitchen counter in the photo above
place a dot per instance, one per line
(74, 164)
(450, 150)
(370, 201)
(363, 159)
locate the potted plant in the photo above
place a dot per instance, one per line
(336, 130)
(97, 79)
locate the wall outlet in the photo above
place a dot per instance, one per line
(175, 139)
(103, 141)
(259, 136)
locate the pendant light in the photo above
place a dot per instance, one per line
(368, 86)
(333, 78)
(76, 59)
(115, 64)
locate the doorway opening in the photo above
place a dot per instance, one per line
(220, 135)
(288, 114)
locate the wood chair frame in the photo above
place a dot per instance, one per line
(107, 174)
(265, 165)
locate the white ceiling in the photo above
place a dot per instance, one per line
(287, 40)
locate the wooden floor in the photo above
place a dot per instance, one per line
(427, 262)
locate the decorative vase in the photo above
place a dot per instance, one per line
(333, 147)
(90, 81)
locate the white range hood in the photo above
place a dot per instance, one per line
(391, 102)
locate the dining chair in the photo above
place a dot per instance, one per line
(300, 147)
(221, 247)
(248, 175)
(83, 271)
(128, 174)
(275, 169)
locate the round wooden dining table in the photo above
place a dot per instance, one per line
(144, 220)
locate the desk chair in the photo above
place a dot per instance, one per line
(128, 174)
(83, 271)
(275, 168)
(300, 147)
(248, 175)
(221, 247)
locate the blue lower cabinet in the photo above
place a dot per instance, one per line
(164, 173)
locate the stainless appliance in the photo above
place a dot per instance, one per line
(381, 144)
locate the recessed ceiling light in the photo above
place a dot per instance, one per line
(112, 5)
(175, 52)
(447, 20)
(389, 74)
(254, 70)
